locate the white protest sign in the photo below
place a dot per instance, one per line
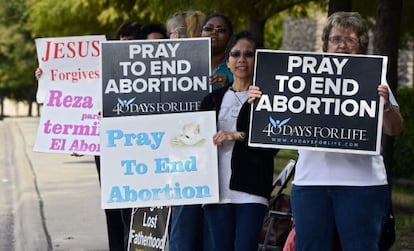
(69, 121)
(70, 88)
(159, 160)
(74, 59)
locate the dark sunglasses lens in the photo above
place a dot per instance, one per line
(221, 30)
(248, 54)
(235, 54)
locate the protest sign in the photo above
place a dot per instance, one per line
(158, 160)
(69, 122)
(152, 90)
(149, 228)
(70, 88)
(314, 101)
(145, 77)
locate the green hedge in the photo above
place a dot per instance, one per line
(403, 158)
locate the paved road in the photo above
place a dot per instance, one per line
(6, 191)
(47, 201)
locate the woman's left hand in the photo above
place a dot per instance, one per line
(254, 93)
(221, 136)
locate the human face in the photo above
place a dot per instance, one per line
(217, 29)
(155, 35)
(343, 41)
(241, 59)
(126, 37)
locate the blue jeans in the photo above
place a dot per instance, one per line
(355, 213)
(186, 228)
(233, 227)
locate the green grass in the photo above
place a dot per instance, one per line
(283, 156)
(403, 205)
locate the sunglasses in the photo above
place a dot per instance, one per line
(237, 54)
(217, 30)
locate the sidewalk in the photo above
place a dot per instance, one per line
(57, 199)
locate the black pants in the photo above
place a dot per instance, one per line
(117, 222)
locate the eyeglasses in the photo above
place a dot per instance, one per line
(349, 41)
(217, 30)
(237, 54)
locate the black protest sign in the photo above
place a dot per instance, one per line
(143, 77)
(149, 230)
(318, 101)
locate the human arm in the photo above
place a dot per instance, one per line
(76, 154)
(254, 93)
(38, 73)
(220, 80)
(221, 136)
(240, 134)
(392, 119)
(221, 76)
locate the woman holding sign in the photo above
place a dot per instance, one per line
(245, 173)
(187, 220)
(342, 193)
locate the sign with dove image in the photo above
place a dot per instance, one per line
(156, 146)
(318, 101)
(158, 163)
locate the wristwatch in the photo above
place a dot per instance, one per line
(242, 136)
(388, 107)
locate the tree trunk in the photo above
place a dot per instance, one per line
(1, 107)
(30, 100)
(339, 5)
(30, 110)
(386, 36)
(386, 40)
(256, 27)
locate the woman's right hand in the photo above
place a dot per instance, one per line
(219, 79)
(254, 93)
(38, 73)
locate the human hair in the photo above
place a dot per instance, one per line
(194, 21)
(187, 24)
(149, 28)
(349, 21)
(129, 29)
(177, 23)
(238, 36)
(227, 20)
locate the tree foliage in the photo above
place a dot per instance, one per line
(74, 17)
(24, 20)
(21, 21)
(17, 52)
(47, 18)
(368, 9)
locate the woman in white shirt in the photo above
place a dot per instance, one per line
(342, 194)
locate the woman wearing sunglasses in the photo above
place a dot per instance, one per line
(245, 173)
(219, 28)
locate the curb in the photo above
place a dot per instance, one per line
(29, 226)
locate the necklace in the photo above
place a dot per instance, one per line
(239, 102)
